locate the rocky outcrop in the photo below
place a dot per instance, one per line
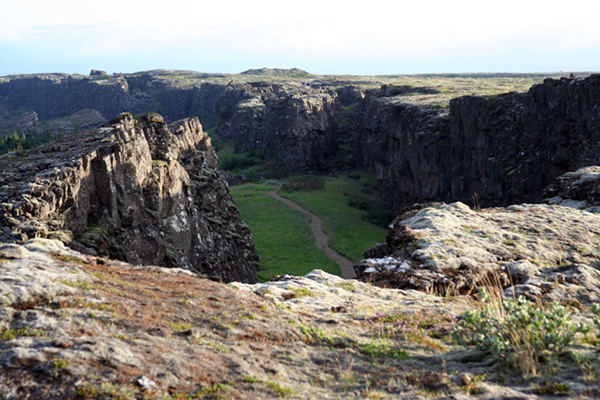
(83, 119)
(497, 151)
(25, 122)
(98, 72)
(540, 251)
(579, 189)
(137, 190)
(275, 71)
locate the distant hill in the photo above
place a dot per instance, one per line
(275, 71)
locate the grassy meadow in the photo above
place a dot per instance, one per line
(282, 237)
(349, 233)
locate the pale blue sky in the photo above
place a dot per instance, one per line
(323, 37)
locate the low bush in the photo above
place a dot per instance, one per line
(304, 183)
(518, 330)
(239, 161)
(377, 214)
(20, 141)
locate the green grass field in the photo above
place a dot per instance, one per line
(349, 234)
(282, 238)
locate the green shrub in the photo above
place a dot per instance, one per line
(20, 141)
(596, 311)
(304, 183)
(377, 214)
(518, 328)
(376, 349)
(239, 161)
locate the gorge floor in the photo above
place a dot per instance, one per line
(321, 239)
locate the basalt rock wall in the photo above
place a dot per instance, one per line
(58, 95)
(296, 130)
(134, 189)
(290, 123)
(492, 151)
(488, 150)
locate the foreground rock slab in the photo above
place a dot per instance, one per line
(79, 326)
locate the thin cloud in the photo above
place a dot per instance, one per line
(72, 27)
(396, 36)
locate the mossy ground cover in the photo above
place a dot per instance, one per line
(349, 233)
(281, 235)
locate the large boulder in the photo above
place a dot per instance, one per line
(578, 189)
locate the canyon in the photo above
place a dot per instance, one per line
(496, 150)
(127, 272)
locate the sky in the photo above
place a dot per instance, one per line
(369, 37)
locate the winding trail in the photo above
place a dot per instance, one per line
(321, 239)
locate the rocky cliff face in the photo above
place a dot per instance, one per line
(54, 96)
(290, 123)
(500, 150)
(138, 190)
(295, 127)
(58, 95)
(406, 146)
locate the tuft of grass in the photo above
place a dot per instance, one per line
(347, 285)
(379, 349)
(216, 391)
(66, 258)
(59, 364)
(250, 379)
(10, 334)
(180, 326)
(99, 275)
(316, 335)
(276, 387)
(300, 292)
(78, 285)
(279, 390)
(218, 347)
(555, 388)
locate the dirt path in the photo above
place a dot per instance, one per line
(321, 239)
